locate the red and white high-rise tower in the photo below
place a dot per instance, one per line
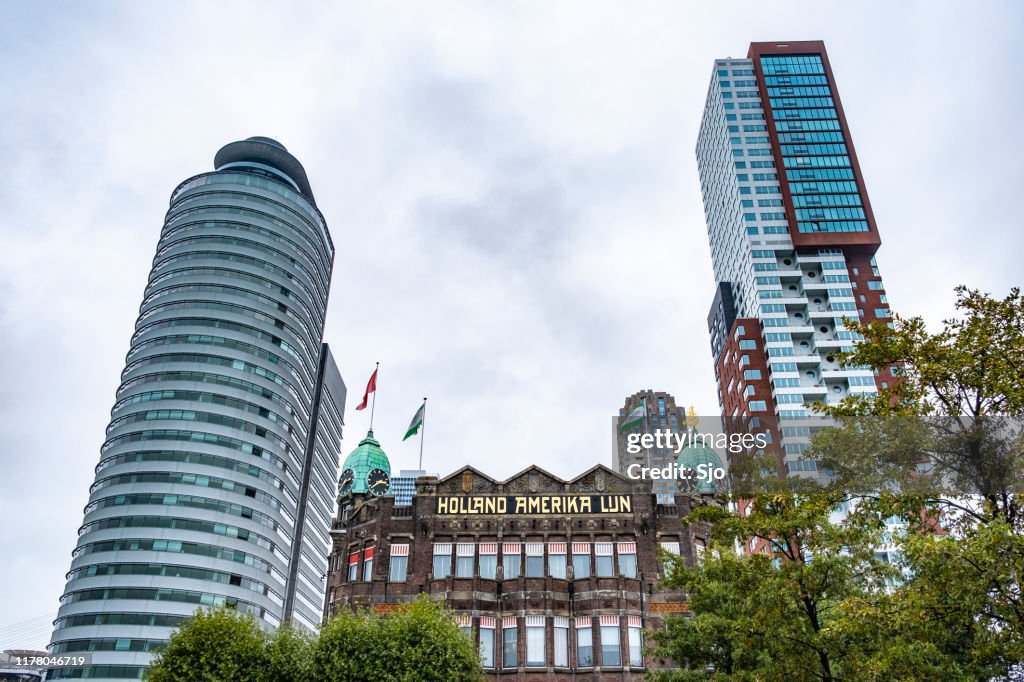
(792, 237)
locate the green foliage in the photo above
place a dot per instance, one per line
(971, 367)
(963, 392)
(968, 584)
(967, 380)
(758, 474)
(419, 643)
(821, 606)
(212, 646)
(288, 655)
(783, 614)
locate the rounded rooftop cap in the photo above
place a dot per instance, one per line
(692, 456)
(367, 456)
(268, 152)
(267, 140)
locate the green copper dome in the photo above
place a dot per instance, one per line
(691, 457)
(366, 459)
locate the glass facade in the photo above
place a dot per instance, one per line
(218, 470)
(814, 151)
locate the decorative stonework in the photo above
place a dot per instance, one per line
(641, 523)
(517, 485)
(463, 482)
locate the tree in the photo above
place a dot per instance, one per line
(777, 615)
(947, 436)
(213, 646)
(288, 655)
(796, 613)
(959, 398)
(417, 643)
(420, 642)
(940, 450)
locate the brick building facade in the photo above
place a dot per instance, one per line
(553, 579)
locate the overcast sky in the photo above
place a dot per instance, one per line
(511, 187)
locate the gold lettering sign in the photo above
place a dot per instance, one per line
(532, 505)
(389, 608)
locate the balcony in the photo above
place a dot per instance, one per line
(823, 311)
(804, 358)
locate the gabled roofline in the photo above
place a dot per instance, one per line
(605, 469)
(534, 467)
(460, 471)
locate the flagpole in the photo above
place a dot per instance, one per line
(423, 431)
(373, 404)
(647, 427)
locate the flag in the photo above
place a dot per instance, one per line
(416, 423)
(371, 386)
(635, 417)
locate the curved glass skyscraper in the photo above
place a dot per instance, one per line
(215, 484)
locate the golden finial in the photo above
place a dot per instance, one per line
(692, 420)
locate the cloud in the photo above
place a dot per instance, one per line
(512, 190)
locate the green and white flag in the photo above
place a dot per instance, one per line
(636, 417)
(416, 423)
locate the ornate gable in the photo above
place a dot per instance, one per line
(467, 480)
(533, 480)
(601, 479)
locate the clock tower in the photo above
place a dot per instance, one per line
(366, 470)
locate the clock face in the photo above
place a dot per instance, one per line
(345, 482)
(378, 482)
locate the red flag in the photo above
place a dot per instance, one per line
(371, 386)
